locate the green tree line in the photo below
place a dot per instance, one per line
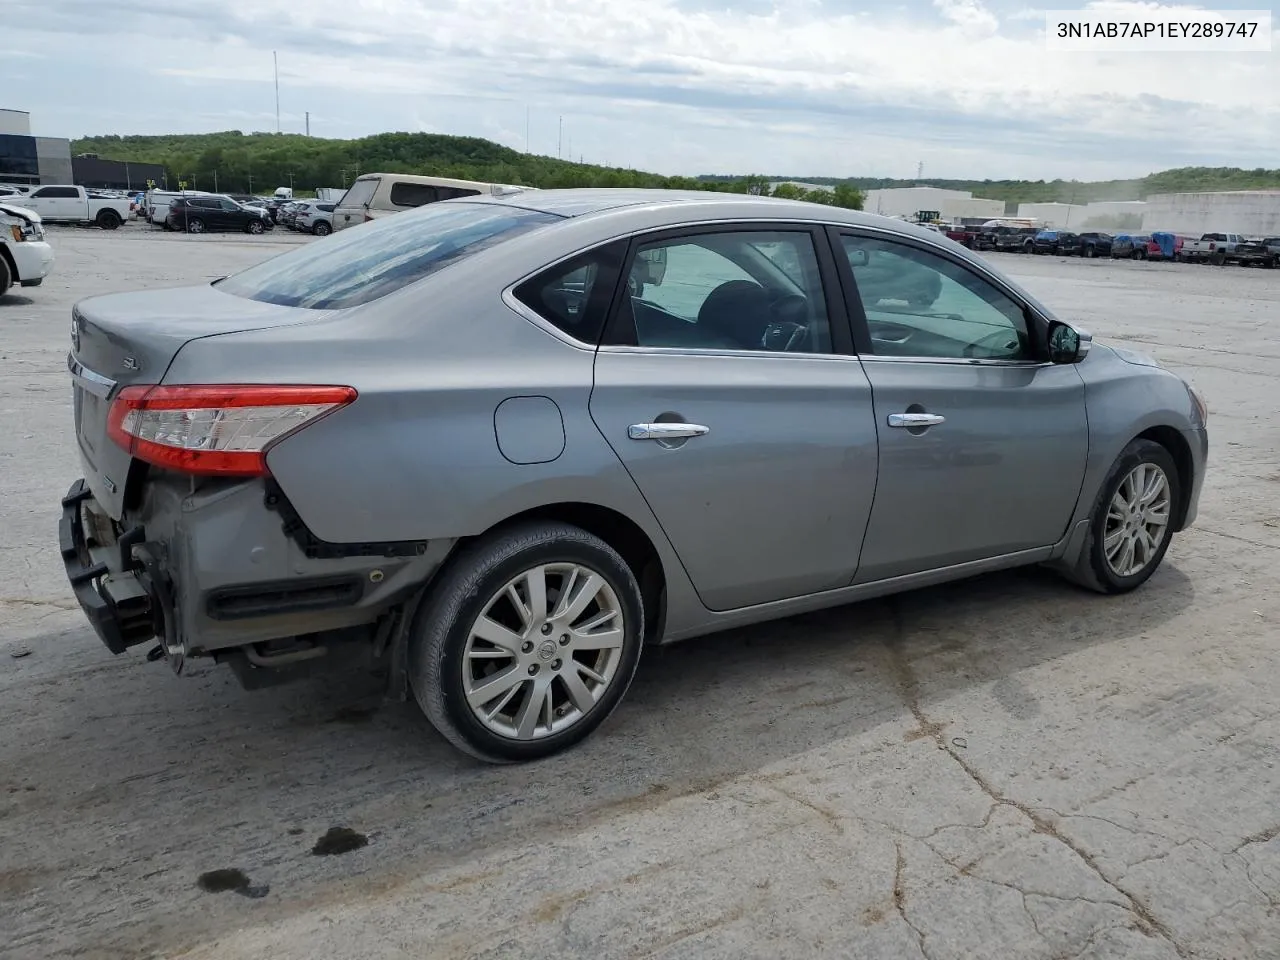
(1179, 180)
(259, 162)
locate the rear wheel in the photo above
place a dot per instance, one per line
(195, 225)
(108, 219)
(322, 229)
(1132, 522)
(527, 643)
(6, 276)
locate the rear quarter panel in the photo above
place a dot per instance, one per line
(416, 455)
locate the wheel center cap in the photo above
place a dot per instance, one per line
(546, 650)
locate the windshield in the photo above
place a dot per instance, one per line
(373, 260)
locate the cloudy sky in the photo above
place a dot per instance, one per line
(795, 87)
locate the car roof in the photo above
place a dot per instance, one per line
(582, 202)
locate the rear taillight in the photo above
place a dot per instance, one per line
(367, 216)
(222, 430)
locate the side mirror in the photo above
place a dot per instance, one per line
(1067, 344)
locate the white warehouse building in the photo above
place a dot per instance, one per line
(1060, 215)
(950, 204)
(1251, 212)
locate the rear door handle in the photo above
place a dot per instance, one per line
(915, 420)
(666, 431)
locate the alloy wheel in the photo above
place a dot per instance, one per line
(544, 650)
(1137, 519)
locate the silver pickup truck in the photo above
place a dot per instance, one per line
(1211, 248)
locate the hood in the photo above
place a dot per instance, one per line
(1130, 356)
(22, 213)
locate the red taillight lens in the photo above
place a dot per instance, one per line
(222, 430)
(367, 216)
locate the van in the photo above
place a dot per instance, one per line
(376, 195)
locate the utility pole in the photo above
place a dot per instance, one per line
(919, 169)
(560, 141)
(275, 60)
(215, 179)
(308, 123)
(526, 128)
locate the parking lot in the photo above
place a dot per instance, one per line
(1004, 767)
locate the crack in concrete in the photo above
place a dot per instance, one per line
(33, 602)
(909, 690)
(900, 899)
(1263, 836)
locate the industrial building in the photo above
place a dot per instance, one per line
(90, 170)
(1102, 214)
(1251, 212)
(948, 204)
(29, 160)
(1060, 215)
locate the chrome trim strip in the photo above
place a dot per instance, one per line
(721, 352)
(91, 382)
(962, 361)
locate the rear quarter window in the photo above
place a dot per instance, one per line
(413, 194)
(354, 267)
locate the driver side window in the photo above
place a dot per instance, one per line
(919, 304)
(737, 290)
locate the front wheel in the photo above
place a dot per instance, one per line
(1132, 522)
(254, 227)
(527, 643)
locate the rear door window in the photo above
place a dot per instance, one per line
(357, 266)
(405, 194)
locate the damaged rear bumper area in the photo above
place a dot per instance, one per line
(225, 572)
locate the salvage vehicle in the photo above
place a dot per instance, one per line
(1095, 245)
(1218, 248)
(25, 256)
(375, 195)
(1131, 245)
(215, 212)
(1055, 243)
(1264, 252)
(459, 441)
(68, 204)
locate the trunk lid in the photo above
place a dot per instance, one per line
(131, 338)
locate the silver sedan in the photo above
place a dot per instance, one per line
(500, 445)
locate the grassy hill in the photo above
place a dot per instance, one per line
(260, 162)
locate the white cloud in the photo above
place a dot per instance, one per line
(793, 87)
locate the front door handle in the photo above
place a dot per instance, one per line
(910, 420)
(666, 431)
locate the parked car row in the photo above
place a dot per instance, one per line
(1218, 248)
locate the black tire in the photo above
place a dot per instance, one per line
(322, 229)
(195, 225)
(1092, 570)
(255, 227)
(108, 219)
(1090, 252)
(6, 276)
(472, 581)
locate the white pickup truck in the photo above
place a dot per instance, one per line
(25, 257)
(67, 204)
(1212, 247)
